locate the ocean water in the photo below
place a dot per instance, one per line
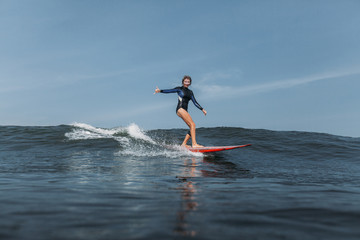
(82, 182)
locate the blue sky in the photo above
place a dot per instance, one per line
(280, 65)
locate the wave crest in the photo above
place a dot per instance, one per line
(133, 140)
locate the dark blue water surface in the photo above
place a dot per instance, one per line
(82, 182)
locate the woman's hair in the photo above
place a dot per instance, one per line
(186, 77)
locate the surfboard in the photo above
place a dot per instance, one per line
(215, 148)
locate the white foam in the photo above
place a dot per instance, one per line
(128, 141)
(100, 131)
(82, 134)
(135, 132)
(83, 131)
(143, 152)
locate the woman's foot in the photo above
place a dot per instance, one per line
(185, 145)
(197, 146)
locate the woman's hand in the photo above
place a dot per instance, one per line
(157, 90)
(204, 111)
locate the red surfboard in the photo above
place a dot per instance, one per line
(215, 148)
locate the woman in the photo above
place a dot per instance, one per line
(185, 95)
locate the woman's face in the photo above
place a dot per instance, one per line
(186, 82)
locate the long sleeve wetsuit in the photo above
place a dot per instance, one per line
(185, 95)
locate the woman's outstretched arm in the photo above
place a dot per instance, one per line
(174, 90)
(157, 90)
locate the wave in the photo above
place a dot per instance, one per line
(132, 140)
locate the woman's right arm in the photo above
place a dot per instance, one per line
(157, 90)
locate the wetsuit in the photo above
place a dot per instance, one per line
(185, 95)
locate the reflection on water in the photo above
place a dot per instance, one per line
(195, 168)
(189, 201)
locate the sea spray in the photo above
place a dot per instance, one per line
(137, 133)
(132, 139)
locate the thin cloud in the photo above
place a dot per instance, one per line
(223, 91)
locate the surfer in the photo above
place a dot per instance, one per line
(185, 95)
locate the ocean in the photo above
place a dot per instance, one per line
(83, 182)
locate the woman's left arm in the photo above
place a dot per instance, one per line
(193, 99)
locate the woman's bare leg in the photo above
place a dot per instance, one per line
(187, 137)
(188, 120)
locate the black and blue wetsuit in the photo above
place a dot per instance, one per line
(185, 95)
